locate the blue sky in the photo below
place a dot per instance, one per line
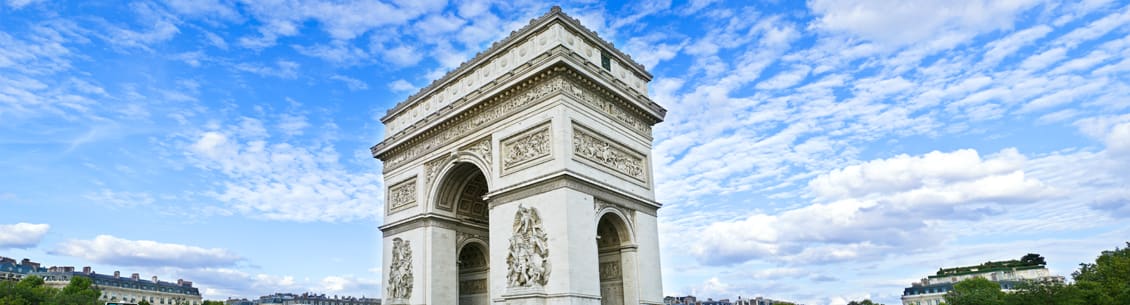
(817, 151)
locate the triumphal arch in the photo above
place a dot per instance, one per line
(524, 177)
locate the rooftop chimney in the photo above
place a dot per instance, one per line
(155, 279)
(86, 269)
(135, 276)
(117, 274)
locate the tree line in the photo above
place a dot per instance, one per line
(31, 290)
(1104, 282)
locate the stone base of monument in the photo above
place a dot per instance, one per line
(525, 295)
(396, 301)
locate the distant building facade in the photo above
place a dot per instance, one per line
(692, 300)
(932, 289)
(308, 299)
(127, 290)
(11, 270)
(757, 301)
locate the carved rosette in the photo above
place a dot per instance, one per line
(402, 196)
(525, 148)
(528, 261)
(591, 147)
(400, 272)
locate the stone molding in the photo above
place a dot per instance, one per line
(400, 276)
(493, 63)
(424, 221)
(401, 196)
(558, 79)
(572, 181)
(590, 146)
(474, 286)
(528, 148)
(501, 106)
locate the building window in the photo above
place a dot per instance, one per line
(605, 61)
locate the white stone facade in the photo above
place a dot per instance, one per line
(524, 177)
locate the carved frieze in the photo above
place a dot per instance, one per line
(402, 196)
(516, 99)
(602, 103)
(526, 148)
(400, 271)
(500, 106)
(528, 261)
(587, 145)
(609, 271)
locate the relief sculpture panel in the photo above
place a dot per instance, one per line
(400, 271)
(526, 149)
(589, 146)
(528, 261)
(402, 195)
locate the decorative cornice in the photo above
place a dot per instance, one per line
(561, 78)
(506, 58)
(555, 13)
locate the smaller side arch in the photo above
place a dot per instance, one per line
(619, 220)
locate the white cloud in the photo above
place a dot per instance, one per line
(18, 4)
(284, 181)
(120, 199)
(401, 85)
(901, 23)
(108, 249)
(284, 69)
(863, 210)
(22, 235)
(352, 83)
(204, 8)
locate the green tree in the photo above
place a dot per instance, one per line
(864, 302)
(212, 303)
(80, 291)
(1033, 259)
(976, 291)
(30, 291)
(1107, 281)
(1037, 293)
(143, 302)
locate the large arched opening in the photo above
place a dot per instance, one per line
(461, 193)
(612, 239)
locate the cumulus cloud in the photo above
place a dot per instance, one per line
(108, 249)
(864, 209)
(22, 235)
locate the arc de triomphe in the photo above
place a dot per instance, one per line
(524, 177)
